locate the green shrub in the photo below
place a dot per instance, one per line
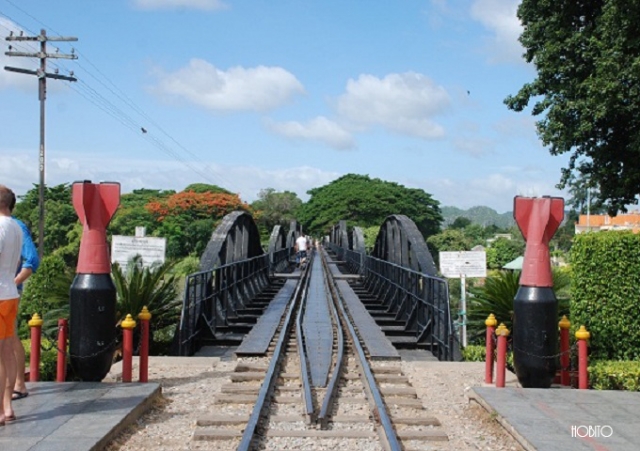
(605, 292)
(477, 353)
(154, 287)
(609, 375)
(474, 353)
(497, 294)
(48, 358)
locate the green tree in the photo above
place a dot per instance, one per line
(502, 251)
(460, 223)
(584, 196)
(365, 202)
(587, 90)
(132, 212)
(563, 239)
(185, 236)
(60, 216)
(450, 240)
(477, 234)
(370, 235)
(206, 188)
(187, 219)
(273, 208)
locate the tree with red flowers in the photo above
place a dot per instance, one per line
(188, 218)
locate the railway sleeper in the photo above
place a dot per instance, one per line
(226, 434)
(250, 367)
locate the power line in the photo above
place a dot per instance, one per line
(93, 96)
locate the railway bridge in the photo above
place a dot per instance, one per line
(396, 285)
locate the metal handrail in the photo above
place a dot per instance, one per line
(212, 297)
(419, 299)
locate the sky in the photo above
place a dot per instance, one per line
(282, 94)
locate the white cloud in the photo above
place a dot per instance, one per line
(257, 89)
(319, 129)
(20, 173)
(476, 147)
(500, 18)
(493, 184)
(402, 103)
(206, 5)
(298, 179)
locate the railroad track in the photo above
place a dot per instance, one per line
(316, 387)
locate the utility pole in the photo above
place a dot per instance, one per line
(42, 75)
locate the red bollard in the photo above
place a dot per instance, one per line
(127, 347)
(35, 323)
(144, 318)
(491, 324)
(583, 375)
(61, 369)
(501, 368)
(565, 358)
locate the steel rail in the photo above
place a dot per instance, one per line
(327, 403)
(388, 433)
(304, 368)
(249, 433)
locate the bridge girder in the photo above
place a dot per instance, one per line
(236, 238)
(399, 241)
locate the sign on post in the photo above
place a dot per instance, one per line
(461, 265)
(464, 263)
(150, 249)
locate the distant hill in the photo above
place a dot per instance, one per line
(484, 216)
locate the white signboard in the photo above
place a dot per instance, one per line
(465, 263)
(150, 249)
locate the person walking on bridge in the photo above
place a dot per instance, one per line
(10, 257)
(301, 249)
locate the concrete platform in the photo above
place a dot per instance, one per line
(565, 419)
(75, 416)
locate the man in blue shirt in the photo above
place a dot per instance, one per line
(30, 263)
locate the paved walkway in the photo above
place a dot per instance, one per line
(74, 416)
(566, 419)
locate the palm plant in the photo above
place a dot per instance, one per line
(154, 287)
(497, 294)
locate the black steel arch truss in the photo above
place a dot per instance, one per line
(236, 238)
(233, 270)
(295, 230)
(401, 275)
(280, 249)
(400, 242)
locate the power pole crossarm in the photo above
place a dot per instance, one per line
(41, 37)
(42, 76)
(35, 72)
(42, 55)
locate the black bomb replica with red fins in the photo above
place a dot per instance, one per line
(92, 319)
(535, 307)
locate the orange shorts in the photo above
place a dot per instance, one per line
(8, 314)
